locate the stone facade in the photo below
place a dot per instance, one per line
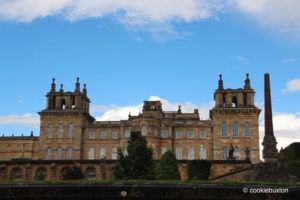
(69, 132)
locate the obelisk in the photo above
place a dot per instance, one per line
(269, 142)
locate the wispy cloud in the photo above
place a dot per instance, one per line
(241, 59)
(288, 60)
(30, 120)
(292, 86)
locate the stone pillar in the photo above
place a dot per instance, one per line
(269, 141)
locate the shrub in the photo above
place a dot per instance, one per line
(292, 152)
(40, 176)
(198, 169)
(167, 168)
(138, 164)
(73, 173)
(294, 167)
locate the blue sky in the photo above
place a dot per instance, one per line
(134, 51)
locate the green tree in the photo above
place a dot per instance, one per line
(167, 168)
(138, 164)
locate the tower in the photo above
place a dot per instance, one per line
(62, 123)
(235, 121)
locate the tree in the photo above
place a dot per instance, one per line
(167, 168)
(138, 164)
(73, 173)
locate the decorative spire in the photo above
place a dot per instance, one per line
(61, 88)
(77, 87)
(53, 86)
(220, 83)
(84, 90)
(247, 83)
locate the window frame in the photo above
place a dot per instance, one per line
(177, 135)
(224, 129)
(193, 133)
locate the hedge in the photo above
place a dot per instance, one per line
(198, 169)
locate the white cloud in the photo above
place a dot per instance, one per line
(30, 120)
(292, 86)
(288, 60)
(115, 112)
(283, 16)
(241, 59)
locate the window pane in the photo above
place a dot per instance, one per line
(48, 154)
(203, 134)
(202, 152)
(236, 153)
(102, 153)
(224, 129)
(69, 154)
(247, 129)
(50, 131)
(178, 153)
(60, 131)
(127, 133)
(224, 153)
(164, 133)
(70, 131)
(114, 153)
(235, 129)
(144, 130)
(164, 150)
(115, 134)
(59, 154)
(91, 134)
(91, 154)
(190, 134)
(191, 153)
(178, 134)
(103, 135)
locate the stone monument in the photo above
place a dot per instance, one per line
(271, 169)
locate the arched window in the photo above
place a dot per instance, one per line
(224, 153)
(202, 152)
(235, 129)
(164, 150)
(70, 131)
(144, 130)
(236, 153)
(247, 129)
(73, 102)
(69, 154)
(63, 104)
(191, 153)
(59, 153)
(127, 133)
(224, 129)
(60, 131)
(234, 102)
(91, 153)
(114, 153)
(102, 153)
(48, 154)
(50, 131)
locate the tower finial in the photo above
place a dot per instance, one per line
(61, 88)
(247, 85)
(77, 87)
(84, 90)
(220, 87)
(53, 86)
(179, 108)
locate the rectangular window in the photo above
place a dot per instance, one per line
(60, 131)
(92, 135)
(59, 152)
(70, 131)
(202, 152)
(127, 133)
(48, 154)
(224, 153)
(235, 129)
(164, 150)
(102, 153)
(91, 153)
(50, 131)
(236, 153)
(178, 134)
(224, 129)
(103, 135)
(191, 153)
(144, 130)
(203, 134)
(69, 154)
(164, 133)
(190, 134)
(115, 134)
(179, 153)
(247, 129)
(114, 153)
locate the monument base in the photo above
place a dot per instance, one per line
(272, 172)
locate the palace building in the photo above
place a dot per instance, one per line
(69, 135)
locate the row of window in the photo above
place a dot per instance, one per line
(236, 153)
(235, 129)
(191, 153)
(58, 154)
(60, 131)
